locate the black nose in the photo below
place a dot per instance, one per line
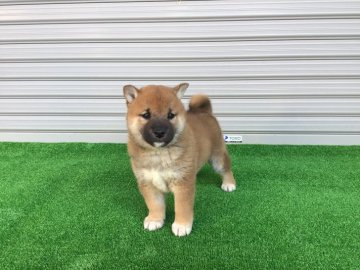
(159, 132)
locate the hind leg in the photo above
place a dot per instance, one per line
(221, 163)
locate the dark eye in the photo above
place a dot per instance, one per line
(170, 115)
(146, 115)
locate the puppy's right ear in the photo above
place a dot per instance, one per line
(130, 93)
(180, 89)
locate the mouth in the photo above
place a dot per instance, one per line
(158, 144)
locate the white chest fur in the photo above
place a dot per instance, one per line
(160, 178)
(161, 166)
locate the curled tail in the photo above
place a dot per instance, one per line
(200, 104)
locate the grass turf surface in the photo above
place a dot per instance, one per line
(76, 206)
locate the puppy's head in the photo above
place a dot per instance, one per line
(156, 116)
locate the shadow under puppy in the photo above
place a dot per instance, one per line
(168, 145)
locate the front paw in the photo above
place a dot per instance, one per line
(153, 225)
(181, 229)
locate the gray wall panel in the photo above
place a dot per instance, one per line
(194, 51)
(277, 71)
(168, 11)
(181, 31)
(260, 89)
(181, 70)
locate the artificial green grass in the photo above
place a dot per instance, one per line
(77, 206)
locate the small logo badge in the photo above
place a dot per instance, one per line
(233, 138)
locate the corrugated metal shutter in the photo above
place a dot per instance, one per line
(277, 71)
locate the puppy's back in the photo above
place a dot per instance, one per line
(206, 129)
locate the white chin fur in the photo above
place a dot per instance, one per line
(158, 144)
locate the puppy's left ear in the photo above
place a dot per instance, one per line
(130, 93)
(180, 89)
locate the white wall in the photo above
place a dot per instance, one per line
(277, 71)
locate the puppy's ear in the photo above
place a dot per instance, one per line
(180, 89)
(130, 93)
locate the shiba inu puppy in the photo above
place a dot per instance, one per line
(168, 145)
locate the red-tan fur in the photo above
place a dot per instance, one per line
(173, 168)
